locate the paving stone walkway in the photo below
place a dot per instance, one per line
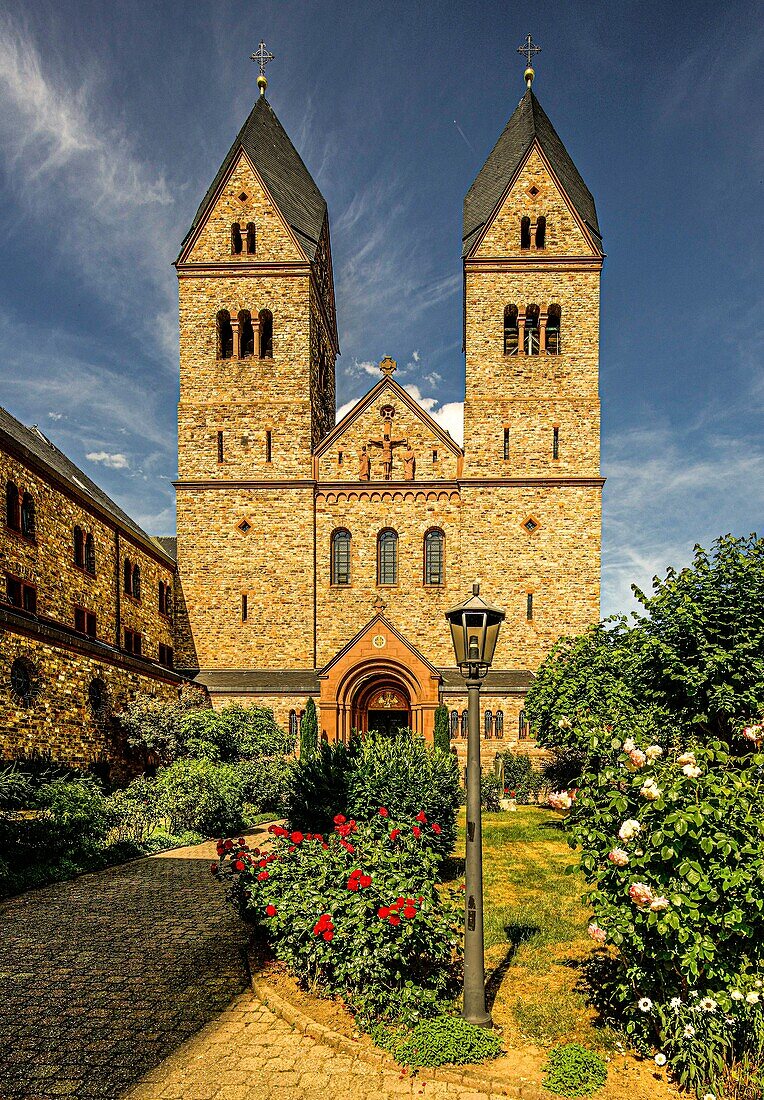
(103, 977)
(250, 1054)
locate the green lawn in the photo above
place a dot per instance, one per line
(535, 929)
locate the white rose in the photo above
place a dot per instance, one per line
(752, 997)
(691, 771)
(629, 745)
(629, 829)
(686, 758)
(651, 791)
(736, 995)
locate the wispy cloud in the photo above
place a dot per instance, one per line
(109, 215)
(113, 461)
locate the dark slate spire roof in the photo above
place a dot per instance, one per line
(35, 447)
(528, 122)
(290, 184)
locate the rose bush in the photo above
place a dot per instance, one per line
(355, 911)
(672, 843)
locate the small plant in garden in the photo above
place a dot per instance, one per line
(491, 792)
(521, 777)
(355, 910)
(445, 1040)
(572, 1070)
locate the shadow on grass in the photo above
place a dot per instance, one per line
(452, 869)
(516, 934)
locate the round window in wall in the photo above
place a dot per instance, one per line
(99, 700)
(26, 682)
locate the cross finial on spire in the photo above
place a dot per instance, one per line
(387, 366)
(528, 49)
(262, 56)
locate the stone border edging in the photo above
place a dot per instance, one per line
(477, 1082)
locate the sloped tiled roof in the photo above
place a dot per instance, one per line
(35, 447)
(289, 183)
(528, 123)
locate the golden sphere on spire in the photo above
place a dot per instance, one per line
(262, 83)
(529, 75)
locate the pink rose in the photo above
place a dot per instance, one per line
(659, 903)
(619, 857)
(596, 933)
(637, 759)
(752, 733)
(641, 894)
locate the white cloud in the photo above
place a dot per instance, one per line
(450, 416)
(416, 356)
(343, 410)
(113, 461)
(366, 367)
(55, 416)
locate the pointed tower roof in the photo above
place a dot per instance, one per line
(529, 123)
(289, 183)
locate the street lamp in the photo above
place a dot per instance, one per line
(474, 632)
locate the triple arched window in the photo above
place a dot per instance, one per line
(242, 337)
(533, 330)
(340, 557)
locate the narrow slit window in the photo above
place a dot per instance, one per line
(266, 334)
(236, 241)
(454, 724)
(553, 345)
(268, 445)
(244, 608)
(246, 335)
(225, 335)
(251, 239)
(387, 557)
(529, 606)
(127, 576)
(12, 507)
(499, 723)
(506, 443)
(556, 443)
(339, 458)
(434, 456)
(434, 555)
(525, 233)
(488, 723)
(79, 548)
(220, 447)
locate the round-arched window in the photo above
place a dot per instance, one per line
(26, 682)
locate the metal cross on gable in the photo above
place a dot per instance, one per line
(529, 48)
(262, 56)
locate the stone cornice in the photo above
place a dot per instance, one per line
(211, 270)
(367, 487)
(536, 262)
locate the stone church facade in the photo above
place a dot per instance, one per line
(317, 559)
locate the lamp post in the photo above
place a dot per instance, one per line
(474, 632)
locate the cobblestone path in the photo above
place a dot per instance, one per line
(250, 1054)
(102, 978)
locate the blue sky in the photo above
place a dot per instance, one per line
(115, 118)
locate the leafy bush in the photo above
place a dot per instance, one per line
(574, 1071)
(564, 769)
(355, 912)
(200, 796)
(309, 731)
(265, 783)
(135, 811)
(154, 728)
(491, 792)
(408, 778)
(446, 1040)
(318, 784)
(521, 777)
(233, 733)
(442, 736)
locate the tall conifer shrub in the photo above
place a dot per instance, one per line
(309, 732)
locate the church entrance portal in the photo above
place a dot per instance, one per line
(383, 707)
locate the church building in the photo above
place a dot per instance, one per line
(317, 559)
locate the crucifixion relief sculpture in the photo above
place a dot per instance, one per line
(387, 444)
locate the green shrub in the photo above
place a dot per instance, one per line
(153, 727)
(318, 785)
(265, 783)
(200, 796)
(309, 731)
(442, 737)
(408, 778)
(521, 777)
(233, 733)
(446, 1040)
(135, 811)
(491, 792)
(572, 1070)
(355, 912)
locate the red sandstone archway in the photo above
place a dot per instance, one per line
(377, 660)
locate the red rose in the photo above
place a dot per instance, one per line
(395, 920)
(395, 833)
(242, 840)
(239, 865)
(329, 935)
(421, 817)
(383, 912)
(270, 910)
(400, 901)
(319, 836)
(339, 819)
(417, 831)
(219, 847)
(365, 880)
(437, 829)
(352, 884)
(263, 876)
(297, 838)
(383, 812)
(409, 912)
(228, 845)
(262, 863)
